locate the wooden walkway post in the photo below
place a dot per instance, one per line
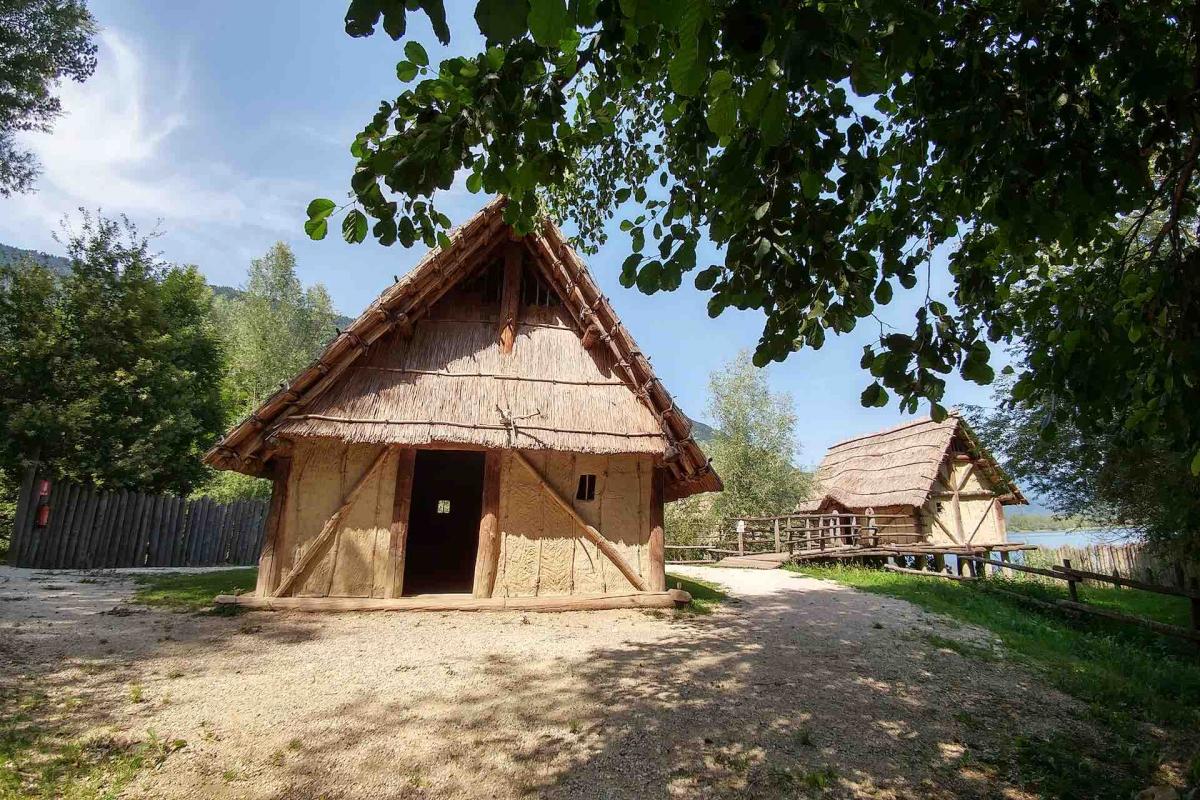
(778, 543)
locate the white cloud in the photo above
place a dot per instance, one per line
(117, 147)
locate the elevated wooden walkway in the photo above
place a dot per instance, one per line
(770, 542)
(773, 560)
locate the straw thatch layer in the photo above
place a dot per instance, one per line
(899, 466)
(450, 381)
(405, 372)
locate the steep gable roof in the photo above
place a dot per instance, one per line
(403, 373)
(899, 466)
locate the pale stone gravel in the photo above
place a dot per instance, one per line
(797, 688)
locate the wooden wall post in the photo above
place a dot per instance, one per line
(398, 531)
(656, 579)
(487, 559)
(268, 560)
(510, 296)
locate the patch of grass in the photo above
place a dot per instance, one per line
(175, 591)
(962, 648)
(41, 756)
(1125, 676)
(706, 596)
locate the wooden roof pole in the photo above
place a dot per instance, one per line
(510, 296)
(331, 525)
(593, 535)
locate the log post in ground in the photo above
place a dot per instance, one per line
(268, 561)
(656, 580)
(1071, 583)
(487, 560)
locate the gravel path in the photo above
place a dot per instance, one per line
(797, 688)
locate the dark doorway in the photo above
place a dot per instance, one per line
(443, 522)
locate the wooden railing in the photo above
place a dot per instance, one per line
(794, 533)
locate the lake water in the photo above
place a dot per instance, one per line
(1081, 537)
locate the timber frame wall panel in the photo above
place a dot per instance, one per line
(354, 563)
(543, 551)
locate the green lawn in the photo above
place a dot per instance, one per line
(706, 596)
(180, 591)
(1124, 676)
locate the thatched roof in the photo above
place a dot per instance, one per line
(422, 365)
(899, 466)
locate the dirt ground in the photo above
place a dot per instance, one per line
(797, 687)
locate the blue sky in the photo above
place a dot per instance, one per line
(217, 122)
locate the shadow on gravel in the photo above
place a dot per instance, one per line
(792, 694)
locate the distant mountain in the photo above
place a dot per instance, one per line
(701, 432)
(60, 265)
(11, 255)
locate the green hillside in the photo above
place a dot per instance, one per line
(60, 265)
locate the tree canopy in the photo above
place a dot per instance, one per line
(109, 372)
(273, 330)
(1095, 475)
(752, 448)
(828, 150)
(41, 43)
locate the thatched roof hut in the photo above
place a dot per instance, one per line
(487, 425)
(935, 473)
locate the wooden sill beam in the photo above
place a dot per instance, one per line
(671, 598)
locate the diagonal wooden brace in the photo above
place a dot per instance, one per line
(329, 531)
(592, 535)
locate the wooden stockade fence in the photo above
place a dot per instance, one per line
(89, 529)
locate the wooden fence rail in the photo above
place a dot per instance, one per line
(85, 528)
(1073, 577)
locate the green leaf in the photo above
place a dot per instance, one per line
(406, 71)
(436, 12)
(320, 208)
(722, 115)
(548, 21)
(719, 83)
(867, 75)
(685, 71)
(883, 293)
(756, 100)
(316, 228)
(874, 396)
(502, 21)
(474, 182)
(416, 54)
(774, 119)
(707, 277)
(354, 227)
(810, 183)
(1196, 463)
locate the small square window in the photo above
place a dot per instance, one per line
(443, 507)
(587, 488)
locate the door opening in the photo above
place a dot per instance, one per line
(443, 527)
